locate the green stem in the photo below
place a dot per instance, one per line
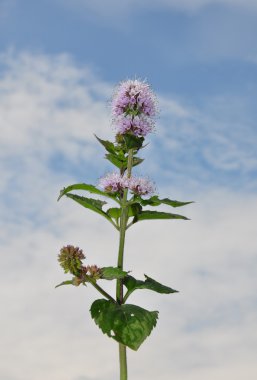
(126, 296)
(119, 287)
(123, 227)
(100, 290)
(123, 362)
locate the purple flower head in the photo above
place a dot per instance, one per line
(113, 182)
(138, 125)
(133, 108)
(135, 97)
(141, 186)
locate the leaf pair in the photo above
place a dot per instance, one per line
(134, 209)
(127, 324)
(117, 153)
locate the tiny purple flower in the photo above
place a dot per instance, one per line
(134, 95)
(141, 186)
(138, 125)
(113, 182)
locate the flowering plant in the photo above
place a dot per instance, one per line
(134, 110)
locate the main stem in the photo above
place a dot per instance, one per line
(119, 288)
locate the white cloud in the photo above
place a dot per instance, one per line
(211, 260)
(49, 111)
(206, 146)
(44, 90)
(48, 104)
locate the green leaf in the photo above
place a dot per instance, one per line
(90, 203)
(69, 282)
(133, 142)
(114, 212)
(132, 284)
(115, 160)
(137, 161)
(83, 186)
(148, 215)
(127, 324)
(121, 161)
(109, 146)
(134, 209)
(155, 201)
(173, 203)
(111, 273)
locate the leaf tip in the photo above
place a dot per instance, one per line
(61, 194)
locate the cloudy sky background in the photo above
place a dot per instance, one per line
(59, 63)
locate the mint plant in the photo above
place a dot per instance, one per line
(134, 111)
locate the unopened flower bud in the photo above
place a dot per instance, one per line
(94, 271)
(119, 138)
(76, 281)
(70, 259)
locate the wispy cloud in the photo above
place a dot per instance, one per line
(211, 146)
(49, 112)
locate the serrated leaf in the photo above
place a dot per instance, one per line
(127, 324)
(155, 201)
(133, 142)
(174, 203)
(95, 204)
(111, 273)
(69, 282)
(109, 146)
(90, 203)
(115, 160)
(84, 186)
(132, 284)
(148, 215)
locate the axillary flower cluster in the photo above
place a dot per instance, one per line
(70, 259)
(114, 182)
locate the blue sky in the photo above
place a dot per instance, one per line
(59, 63)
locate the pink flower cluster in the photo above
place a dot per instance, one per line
(113, 182)
(133, 107)
(138, 125)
